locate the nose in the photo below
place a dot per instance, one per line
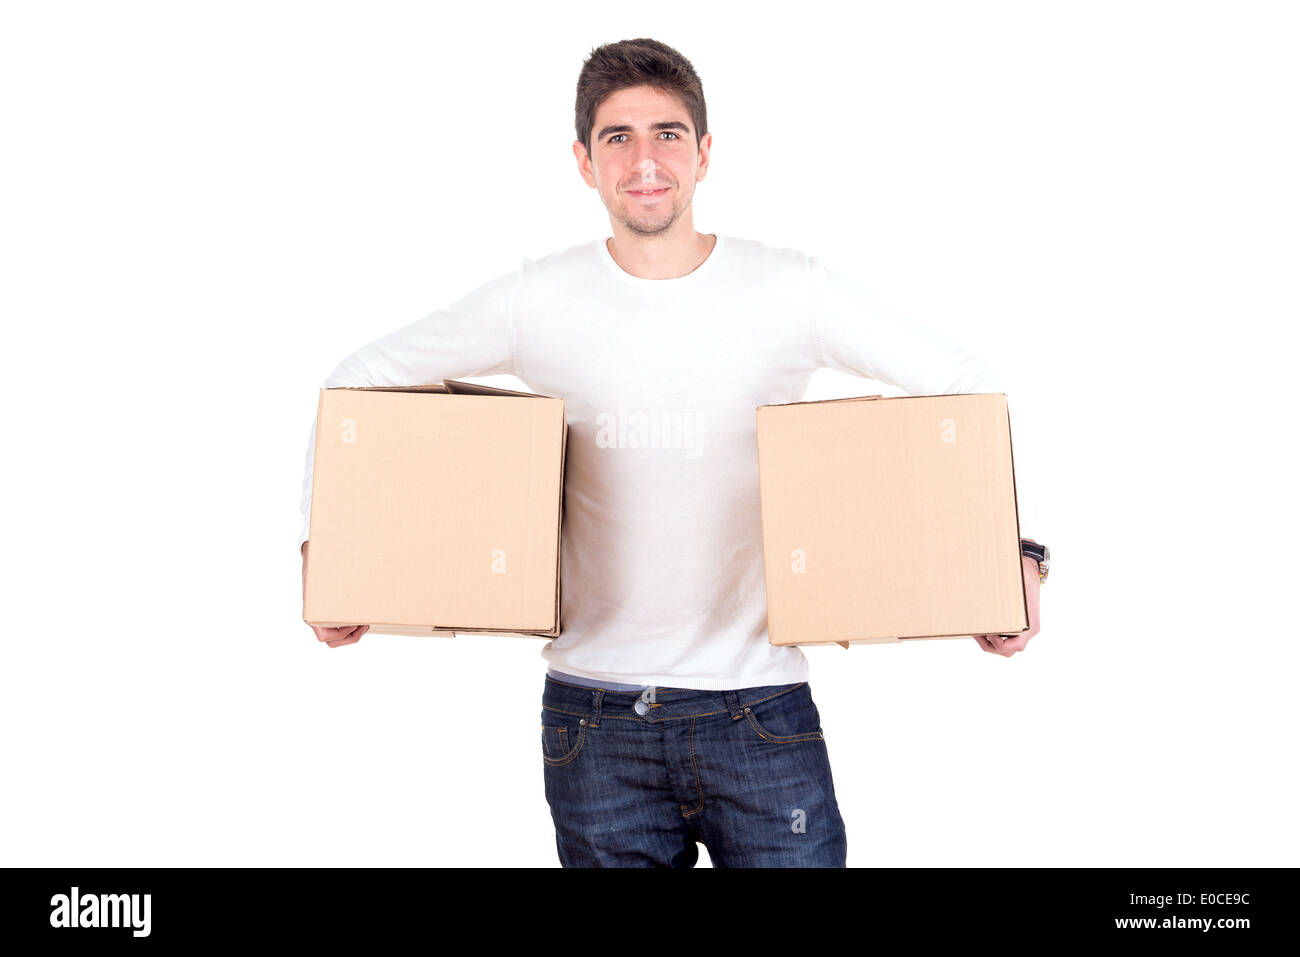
(647, 166)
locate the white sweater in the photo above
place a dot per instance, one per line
(662, 553)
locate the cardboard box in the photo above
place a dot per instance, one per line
(887, 519)
(436, 509)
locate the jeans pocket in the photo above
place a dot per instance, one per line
(562, 737)
(786, 718)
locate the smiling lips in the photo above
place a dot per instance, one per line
(649, 193)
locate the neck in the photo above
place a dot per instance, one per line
(668, 255)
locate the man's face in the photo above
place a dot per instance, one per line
(644, 159)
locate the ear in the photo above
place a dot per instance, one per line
(584, 163)
(706, 145)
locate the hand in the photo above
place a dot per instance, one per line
(1006, 647)
(334, 637)
(338, 637)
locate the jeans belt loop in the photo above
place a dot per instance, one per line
(733, 704)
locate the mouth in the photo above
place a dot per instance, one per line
(649, 194)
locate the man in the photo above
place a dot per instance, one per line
(668, 718)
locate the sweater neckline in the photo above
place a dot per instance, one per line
(692, 277)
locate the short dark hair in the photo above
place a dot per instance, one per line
(642, 62)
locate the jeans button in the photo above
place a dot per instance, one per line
(641, 707)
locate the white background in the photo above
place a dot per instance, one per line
(206, 206)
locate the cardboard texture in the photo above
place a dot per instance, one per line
(888, 519)
(436, 509)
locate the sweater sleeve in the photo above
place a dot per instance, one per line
(856, 333)
(471, 337)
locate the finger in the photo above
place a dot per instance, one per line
(334, 634)
(358, 631)
(986, 644)
(1012, 645)
(997, 644)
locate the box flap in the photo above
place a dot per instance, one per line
(432, 387)
(847, 398)
(460, 387)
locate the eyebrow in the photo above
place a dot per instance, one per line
(663, 125)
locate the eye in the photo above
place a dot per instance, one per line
(616, 136)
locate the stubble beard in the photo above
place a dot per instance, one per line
(646, 226)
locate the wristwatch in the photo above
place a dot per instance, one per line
(1039, 553)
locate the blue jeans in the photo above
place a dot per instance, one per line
(635, 779)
